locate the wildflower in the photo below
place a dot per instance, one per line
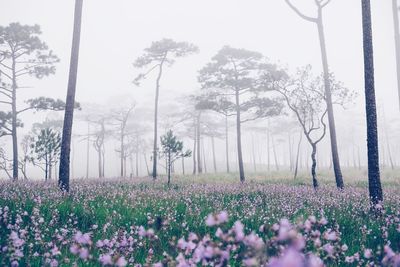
(238, 228)
(367, 253)
(222, 217)
(210, 221)
(121, 262)
(105, 259)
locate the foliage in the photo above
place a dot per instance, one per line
(160, 52)
(22, 43)
(46, 146)
(172, 149)
(237, 72)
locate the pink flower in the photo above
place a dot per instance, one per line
(121, 262)
(83, 253)
(105, 259)
(329, 249)
(53, 263)
(331, 235)
(314, 261)
(238, 229)
(367, 253)
(222, 217)
(210, 221)
(290, 258)
(141, 231)
(74, 249)
(82, 238)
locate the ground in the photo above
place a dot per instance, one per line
(211, 219)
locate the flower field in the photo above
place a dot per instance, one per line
(141, 223)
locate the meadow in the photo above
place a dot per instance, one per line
(210, 220)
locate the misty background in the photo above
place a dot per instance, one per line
(114, 34)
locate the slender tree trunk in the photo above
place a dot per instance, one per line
(298, 156)
(72, 159)
(46, 170)
(50, 169)
(169, 168)
(239, 138)
(314, 166)
(156, 121)
(103, 153)
(268, 149)
(198, 137)
(213, 152)
(124, 167)
(387, 140)
(395, 9)
(122, 149)
(70, 102)
(87, 151)
(147, 165)
(275, 156)
(331, 118)
(374, 181)
(137, 163)
(253, 154)
(194, 151)
(183, 165)
(14, 120)
(227, 143)
(290, 152)
(204, 157)
(99, 162)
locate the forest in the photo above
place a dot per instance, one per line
(209, 133)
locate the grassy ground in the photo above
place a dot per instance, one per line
(47, 222)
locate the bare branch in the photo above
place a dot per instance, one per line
(298, 12)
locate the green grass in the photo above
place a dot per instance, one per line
(175, 212)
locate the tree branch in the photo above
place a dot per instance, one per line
(295, 9)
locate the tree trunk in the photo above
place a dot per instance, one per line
(194, 150)
(227, 143)
(147, 165)
(183, 165)
(331, 118)
(50, 169)
(169, 165)
(70, 102)
(137, 163)
(204, 157)
(290, 152)
(297, 156)
(314, 166)
(122, 152)
(395, 10)
(374, 181)
(268, 149)
(239, 138)
(156, 120)
(213, 152)
(387, 140)
(275, 156)
(14, 120)
(46, 169)
(198, 137)
(87, 151)
(253, 154)
(99, 162)
(103, 152)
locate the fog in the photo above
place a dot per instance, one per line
(115, 33)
